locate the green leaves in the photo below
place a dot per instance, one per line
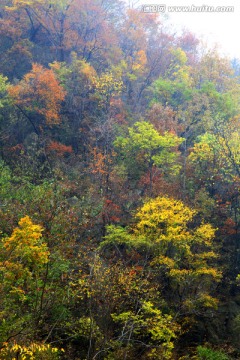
(152, 323)
(144, 145)
(205, 353)
(118, 236)
(4, 98)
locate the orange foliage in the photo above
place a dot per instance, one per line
(99, 163)
(70, 25)
(39, 91)
(16, 148)
(59, 149)
(8, 28)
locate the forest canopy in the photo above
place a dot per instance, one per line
(119, 186)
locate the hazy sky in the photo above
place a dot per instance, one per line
(215, 27)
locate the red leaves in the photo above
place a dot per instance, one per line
(111, 211)
(59, 149)
(230, 227)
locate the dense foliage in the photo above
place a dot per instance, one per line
(119, 187)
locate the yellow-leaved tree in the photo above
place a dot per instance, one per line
(24, 258)
(182, 252)
(177, 250)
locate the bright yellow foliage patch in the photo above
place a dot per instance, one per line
(31, 352)
(23, 256)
